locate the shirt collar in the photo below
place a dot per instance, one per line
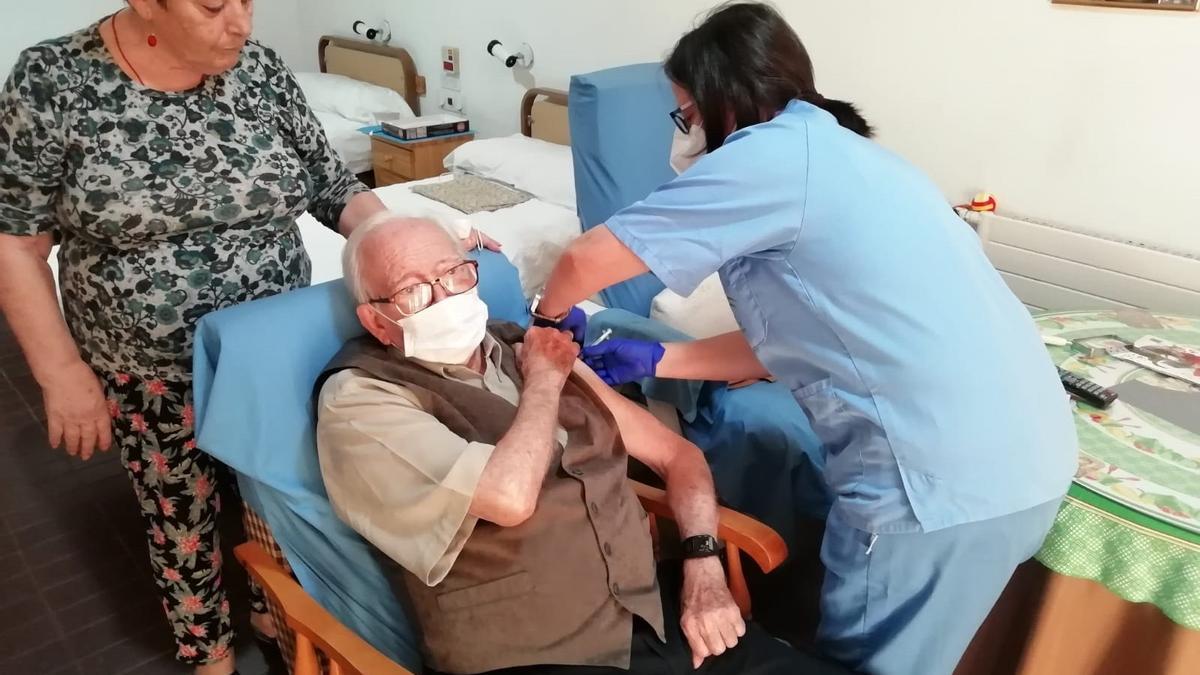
(492, 355)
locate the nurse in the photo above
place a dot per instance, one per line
(949, 441)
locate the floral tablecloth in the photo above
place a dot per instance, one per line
(1132, 518)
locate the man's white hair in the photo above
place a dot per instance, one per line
(352, 271)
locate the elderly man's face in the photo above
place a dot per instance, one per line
(396, 256)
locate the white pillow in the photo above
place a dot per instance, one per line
(544, 170)
(702, 314)
(350, 98)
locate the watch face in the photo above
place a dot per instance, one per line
(700, 546)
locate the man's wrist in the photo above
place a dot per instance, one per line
(548, 383)
(703, 566)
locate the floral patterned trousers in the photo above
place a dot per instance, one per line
(177, 488)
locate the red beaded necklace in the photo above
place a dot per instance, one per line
(117, 42)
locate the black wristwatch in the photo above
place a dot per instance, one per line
(700, 546)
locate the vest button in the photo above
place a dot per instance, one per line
(595, 509)
(576, 472)
(616, 588)
(608, 549)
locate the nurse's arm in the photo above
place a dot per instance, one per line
(723, 358)
(592, 263)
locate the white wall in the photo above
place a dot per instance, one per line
(24, 23)
(1086, 117)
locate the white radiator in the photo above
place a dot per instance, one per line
(1055, 268)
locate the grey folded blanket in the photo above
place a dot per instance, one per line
(472, 194)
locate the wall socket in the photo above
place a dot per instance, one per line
(452, 101)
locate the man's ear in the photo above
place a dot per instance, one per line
(373, 323)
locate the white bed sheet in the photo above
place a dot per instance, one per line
(343, 135)
(534, 234)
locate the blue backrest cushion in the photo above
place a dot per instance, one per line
(621, 141)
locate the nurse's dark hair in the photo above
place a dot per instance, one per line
(746, 63)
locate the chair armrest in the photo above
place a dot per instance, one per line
(310, 620)
(764, 545)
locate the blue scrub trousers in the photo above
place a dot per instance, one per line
(913, 603)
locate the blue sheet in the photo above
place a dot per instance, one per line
(767, 462)
(621, 142)
(254, 369)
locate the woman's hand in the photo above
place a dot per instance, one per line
(77, 412)
(478, 240)
(621, 360)
(574, 323)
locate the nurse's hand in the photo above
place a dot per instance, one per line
(709, 617)
(620, 360)
(574, 323)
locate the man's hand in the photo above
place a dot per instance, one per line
(548, 356)
(710, 618)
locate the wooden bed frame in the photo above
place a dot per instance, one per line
(390, 67)
(544, 116)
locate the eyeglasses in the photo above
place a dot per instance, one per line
(412, 299)
(680, 119)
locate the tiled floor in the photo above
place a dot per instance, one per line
(76, 595)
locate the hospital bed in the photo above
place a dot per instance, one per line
(764, 456)
(537, 161)
(358, 79)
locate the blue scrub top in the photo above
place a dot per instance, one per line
(862, 291)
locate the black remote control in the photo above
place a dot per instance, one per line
(1087, 391)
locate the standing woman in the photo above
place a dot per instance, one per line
(171, 158)
(948, 437)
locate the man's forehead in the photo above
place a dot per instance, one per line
(410, 248)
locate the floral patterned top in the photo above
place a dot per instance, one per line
(167, 205)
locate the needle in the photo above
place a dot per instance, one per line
(603, 336)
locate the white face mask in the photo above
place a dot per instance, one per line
(445, 332)
(687, 148)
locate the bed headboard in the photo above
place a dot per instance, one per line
(390, 67)
(544, 116)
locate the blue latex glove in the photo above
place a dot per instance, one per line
(575, 323)
(621, 360)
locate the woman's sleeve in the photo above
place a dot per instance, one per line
(32, 149)
(332, 182)
(747, 198)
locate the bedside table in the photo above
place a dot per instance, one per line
(400, 161)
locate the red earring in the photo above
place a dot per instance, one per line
(152, 40)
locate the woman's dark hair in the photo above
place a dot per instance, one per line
(745, 62)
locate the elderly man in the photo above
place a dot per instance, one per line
(488, 467)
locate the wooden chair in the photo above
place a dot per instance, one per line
(318, 632)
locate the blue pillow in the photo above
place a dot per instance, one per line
(621, 141)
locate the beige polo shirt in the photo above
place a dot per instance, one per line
(396, 474)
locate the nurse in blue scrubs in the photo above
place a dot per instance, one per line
(949, 439)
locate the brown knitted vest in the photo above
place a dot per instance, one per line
(562, 587)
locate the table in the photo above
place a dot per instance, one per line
(397, 161)
(1128, 532)
(1132, 518)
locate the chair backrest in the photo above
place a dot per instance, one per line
(317, 633)
(621, 141)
